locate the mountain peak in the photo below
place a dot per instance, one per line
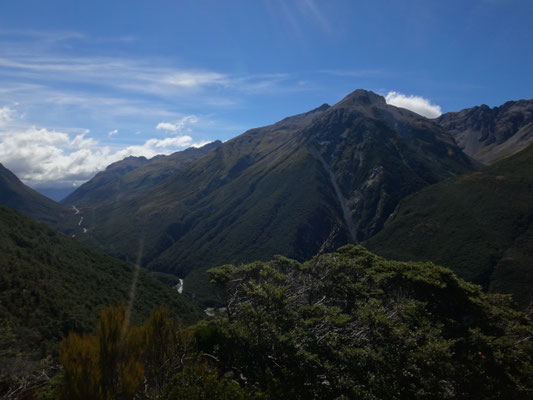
(363, 97)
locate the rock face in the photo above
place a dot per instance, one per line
(490, 134)
(282, 189)
(376, 154)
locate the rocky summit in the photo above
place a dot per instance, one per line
(490, 134)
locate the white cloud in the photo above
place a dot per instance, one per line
(177, 126)
(200, 144)
(80, 142)
(416, 104)
(194, 79)
(6, 114)
(45, 157)
(22, 64)
(113, 132)
(177, 141)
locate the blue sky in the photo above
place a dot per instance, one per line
(85, 83)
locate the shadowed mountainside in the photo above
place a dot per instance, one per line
(16, 195)
(479, 224)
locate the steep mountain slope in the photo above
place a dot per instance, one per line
(132, 175)
(490, 134)
(16, 195)
(51, 284)
(480, 225)
(283, 189)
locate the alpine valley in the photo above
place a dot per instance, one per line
(309, 183)
(280, 216)
(336, 171)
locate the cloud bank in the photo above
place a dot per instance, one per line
(416, 104)
(44, 157)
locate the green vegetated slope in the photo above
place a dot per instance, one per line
(51, 284)
(282, 189)
(353, 325)
(344, 325)
(16, 195)
(479, 224)
(132, 175)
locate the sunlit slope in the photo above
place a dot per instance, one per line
(284, 188)
(51, 284)
(132, 175)
(480, 225)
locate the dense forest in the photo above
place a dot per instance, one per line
(50, 285)
(343, 325)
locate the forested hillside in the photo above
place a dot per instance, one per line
(51, 284)
(479, 224)
(345, 325)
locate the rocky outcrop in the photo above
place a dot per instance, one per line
(491, 134)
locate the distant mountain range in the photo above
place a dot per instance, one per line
(491, 134)
(133, 175)
(55, 193)
(309, 183)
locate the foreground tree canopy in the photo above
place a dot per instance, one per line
(345, 325)
(353, 325)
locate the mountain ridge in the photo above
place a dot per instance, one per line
(283, 188)
(133, 174)
(491, 134)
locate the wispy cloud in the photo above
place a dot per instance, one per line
(119, 73)
(122, 86)
(416, 104)
(156, 77)
(177, 126)
(6, 115)
(61, 92)
(294, 15)
(311, 9)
